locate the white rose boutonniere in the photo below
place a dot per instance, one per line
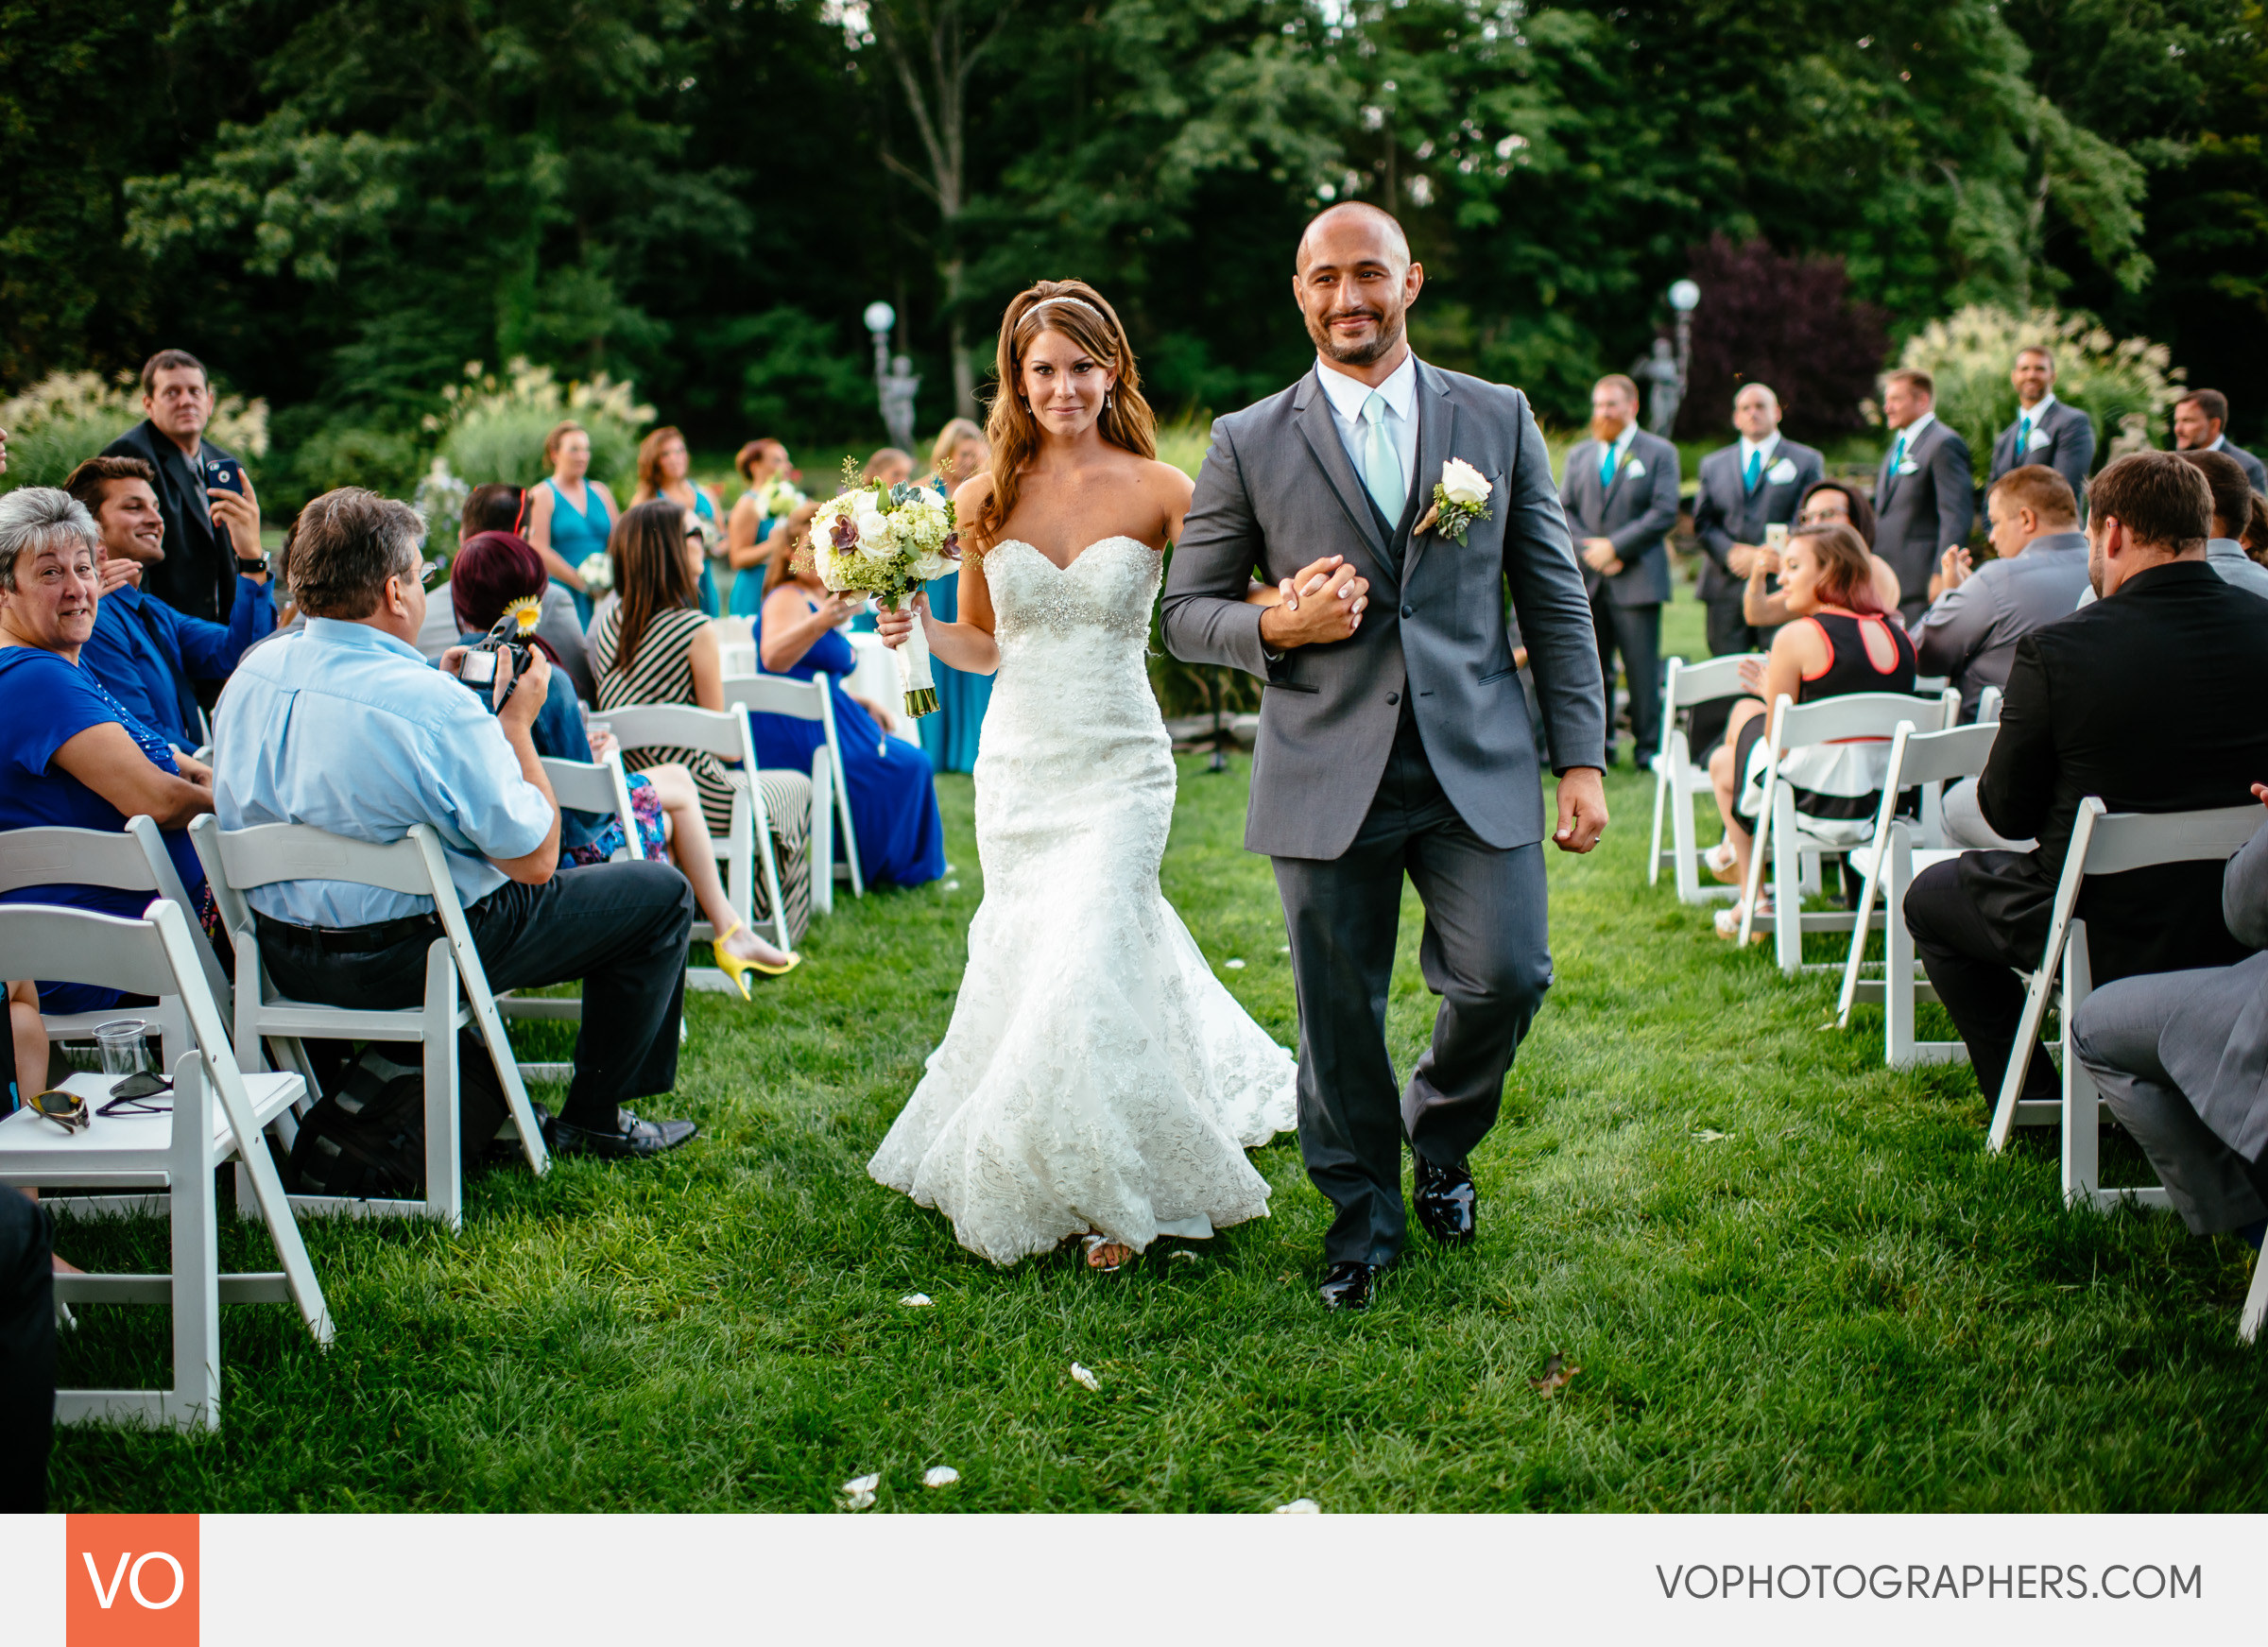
(1460, 498)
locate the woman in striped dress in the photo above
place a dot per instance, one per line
(653, 646)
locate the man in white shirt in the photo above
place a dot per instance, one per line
(1755, 483)
(2046, 431)
(2199, 419)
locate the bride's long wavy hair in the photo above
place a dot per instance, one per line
(1080, 312)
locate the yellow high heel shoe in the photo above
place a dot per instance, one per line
(732, 967)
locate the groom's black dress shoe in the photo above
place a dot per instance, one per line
(632, 1140)
(1446, 1204)
(1347, 1286)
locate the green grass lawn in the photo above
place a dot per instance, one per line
(1793, 1281)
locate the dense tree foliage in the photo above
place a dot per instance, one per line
(341, 203)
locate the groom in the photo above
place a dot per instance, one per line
(1394, 736)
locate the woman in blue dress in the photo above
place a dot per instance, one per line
(949, 736)
(901, 839)
(666, 470)
(570, 516)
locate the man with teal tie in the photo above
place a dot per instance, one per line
(1619, 492)
(2046, 431)
(1925, 498)
(1745, 487)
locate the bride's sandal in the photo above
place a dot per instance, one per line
(1099, 1247)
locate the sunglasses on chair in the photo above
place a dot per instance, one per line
(130, 1096)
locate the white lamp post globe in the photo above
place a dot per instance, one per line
(1685, 297)
(880, 316)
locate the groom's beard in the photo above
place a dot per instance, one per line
(1607, 431)
(1388, 334)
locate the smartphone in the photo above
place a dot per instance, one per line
(226, 473)
(1775, 537)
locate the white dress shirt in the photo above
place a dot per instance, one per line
(1762, 450)
(1348, 396)
(2037, 414)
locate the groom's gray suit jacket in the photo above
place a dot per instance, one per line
(1276, 491)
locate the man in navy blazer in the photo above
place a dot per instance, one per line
(1619, 492)
(1925, 498)
(1754, 483)
(2046, 431)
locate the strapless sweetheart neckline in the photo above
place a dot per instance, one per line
(1099, 543)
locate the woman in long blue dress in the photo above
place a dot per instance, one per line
(949, 736)
(666, 470)
(894, 816)
(570, 516)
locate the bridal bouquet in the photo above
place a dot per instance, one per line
(778, 498)
(597, 572)
(887, 541)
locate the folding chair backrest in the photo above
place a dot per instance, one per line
(683, 726)
(238, 860)
(777, 695)
(2136, 840)
(1989, 707)
(1859, 715)
(82, 946)
(130, 860)
(1719, 677)
(595, 786)
(1939, 757)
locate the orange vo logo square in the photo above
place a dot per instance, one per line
(130, 1581)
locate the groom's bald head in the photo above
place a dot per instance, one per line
(1350, 230)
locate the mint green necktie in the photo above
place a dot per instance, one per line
(1382, 465)
(2023, 434)
(1607, 464)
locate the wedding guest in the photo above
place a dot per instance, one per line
(2182, 1060)
(345, 728)
(1925, 496)
(2155, 700)
(748, 540)
(1839, 639)
(495, 569)
(889, 465)
(1969, 633)
(148, 655)
(207, 527)
(664, 471)
(1620, 493)
(894, 817)
(2232, 513)
(2046, 431)
(1755, 483)
(949, 737)
(2199, 419)
(570, 516)
(1825, 503)
(2255, 536)
(71, 756)
(504, 509)
(654, 646)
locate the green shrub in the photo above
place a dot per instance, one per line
(69, 417)
(331, 456)
(492, 430)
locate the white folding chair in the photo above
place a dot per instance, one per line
(810, 700)
(130, 860)
(1677, 779)
(1924, 761)
(580, 787)
(1796, 853)
(1988, 706)
(2103, 843)
(218, 1114)
(748, 846)
(735, 644)
(456, 990)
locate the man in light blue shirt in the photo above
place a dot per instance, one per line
(344, 726)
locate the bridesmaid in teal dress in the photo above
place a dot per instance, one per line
(664, 468)
(748, 545)
(949, 736)
(570, 516)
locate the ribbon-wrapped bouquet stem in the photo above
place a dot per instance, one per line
(887, 541)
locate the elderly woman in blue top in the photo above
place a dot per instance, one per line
(344, 726)
(147, 655)
(71, 756)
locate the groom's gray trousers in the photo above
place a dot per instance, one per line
(1485, 951)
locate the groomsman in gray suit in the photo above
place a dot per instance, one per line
(2199, 419)
(1925, 498)
(1619, 492)
(2046, 431)
(1752, 484)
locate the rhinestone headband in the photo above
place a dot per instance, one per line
(1082, 302)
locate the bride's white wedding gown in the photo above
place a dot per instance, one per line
(1096, 1076)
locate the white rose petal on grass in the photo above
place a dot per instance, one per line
(917, 1300)
(1235, 966)
(1086, 1380)
(1298, 1507)
(941, 1475)
(859, 1493)
(952, 886)
(1463, 484)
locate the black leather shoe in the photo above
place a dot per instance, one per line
(635, 1139)
(1347, 1286)
(1446, 1203)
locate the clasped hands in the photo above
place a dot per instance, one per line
(1599, 554)
(1323, 601)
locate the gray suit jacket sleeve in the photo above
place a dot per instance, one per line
(2244, 892)
(1206, 617)
(1554, 614)
(1650, 528)
(1954, 630)
(2076, 451)
(1710, 530)
(1956, 491)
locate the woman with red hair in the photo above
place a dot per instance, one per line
(1840, 638)
(495, 569)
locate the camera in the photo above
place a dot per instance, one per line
(507, 635)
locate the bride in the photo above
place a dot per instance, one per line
(1096, 1080)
